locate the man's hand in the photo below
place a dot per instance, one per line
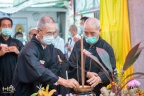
(71, 83)
(94, 80)
(75, 39)
(91, 74)
(13, 49)
(66, 45)
(69, 48)
(4, 50)
(60, 60)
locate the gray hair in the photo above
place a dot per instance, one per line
(34, 28)
(44, 20)
(73, 27)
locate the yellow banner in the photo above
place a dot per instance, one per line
(115, 29)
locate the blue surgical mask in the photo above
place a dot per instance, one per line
(82, 28)
(47, 40)
(20, 39)
(91, 40)
(6, 31)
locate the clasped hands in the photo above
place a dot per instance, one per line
(93, 79)
(6, 49)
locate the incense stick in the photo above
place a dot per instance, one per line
(82, 63)
(66, 75)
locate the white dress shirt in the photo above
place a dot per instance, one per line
(59, 43)
(71, 43)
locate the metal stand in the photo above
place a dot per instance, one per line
(83, 90)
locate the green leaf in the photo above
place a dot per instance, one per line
(133, 74)
(97, 62)
(132, 57)
(104, 56)
(34, 94)
(139, 50)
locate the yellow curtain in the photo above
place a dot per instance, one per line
(115, 29)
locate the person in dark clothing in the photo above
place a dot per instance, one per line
(33, 31)
(52, 63)
(37, 63)
(19, 36)
(10, 49)
(63, 71)
(82, 20)
(95, 77)
(58, 66)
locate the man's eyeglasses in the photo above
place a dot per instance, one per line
(49, 33)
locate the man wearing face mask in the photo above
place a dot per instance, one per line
(94, 75)
(19, 36)
(83, 19)
(10, 49)
(58, 42)
(38, 62)
(74, 38)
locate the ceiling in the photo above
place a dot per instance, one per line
(12, 6)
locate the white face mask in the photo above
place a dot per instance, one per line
(54, 41)
(47, 40)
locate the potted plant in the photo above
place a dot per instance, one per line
(116, 85)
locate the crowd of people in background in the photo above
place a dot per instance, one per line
(9, 51)
(45, 58)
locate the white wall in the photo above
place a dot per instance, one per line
(27, 20)
(30, 17)
(137, 32)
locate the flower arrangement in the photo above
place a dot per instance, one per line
(118, 83)
(132, 90)
(133, 84)
(44, 92)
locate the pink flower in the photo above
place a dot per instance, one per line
(137, 83)
(133, 83)
(130, 84)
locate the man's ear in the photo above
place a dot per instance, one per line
(38, 31)
(100, 30)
